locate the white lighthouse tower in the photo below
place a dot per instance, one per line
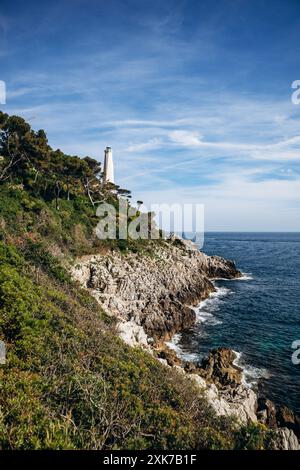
(108, 174)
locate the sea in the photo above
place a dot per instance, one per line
(257, 316)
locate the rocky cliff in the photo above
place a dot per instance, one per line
(152, 296)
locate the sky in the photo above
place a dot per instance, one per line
(194, 97)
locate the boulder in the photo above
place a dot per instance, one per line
(219, 368)
(169, 356)
(239, 402)
(266, 412)
(133, 334)
(286, 418)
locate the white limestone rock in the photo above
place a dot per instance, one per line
(285, 439)
(133, 334)
(240, 402)
(156, 291)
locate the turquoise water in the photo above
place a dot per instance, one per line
(259, 316)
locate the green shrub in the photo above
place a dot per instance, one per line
(9, 255)
(254, 437)
(37, 254)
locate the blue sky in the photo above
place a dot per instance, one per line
(193, 96)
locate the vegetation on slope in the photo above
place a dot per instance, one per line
(68, 381)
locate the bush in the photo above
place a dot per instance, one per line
(9, 255)
(37, 254)
(254, 437)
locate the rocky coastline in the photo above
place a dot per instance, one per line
(221, 380)
(152, 298)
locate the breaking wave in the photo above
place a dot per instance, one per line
(204, 311)
(175, 345)
(251, 374)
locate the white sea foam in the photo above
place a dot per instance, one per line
(174, 343)
(244, 277)
(208, 318)
(211, 304)
(188, 357)
(251, 374)
(181, 353)
(205, 316)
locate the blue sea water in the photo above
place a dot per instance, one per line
(259, 316)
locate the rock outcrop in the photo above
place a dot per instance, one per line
(239, 402)
(221, 381)
(220, 368)
(285, 439)
(278, 417)
(153, 292)
(287, 418)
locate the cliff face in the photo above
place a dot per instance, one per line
(152, 296)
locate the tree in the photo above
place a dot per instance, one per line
(26, 157)
(91, 177)
(13, 133)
